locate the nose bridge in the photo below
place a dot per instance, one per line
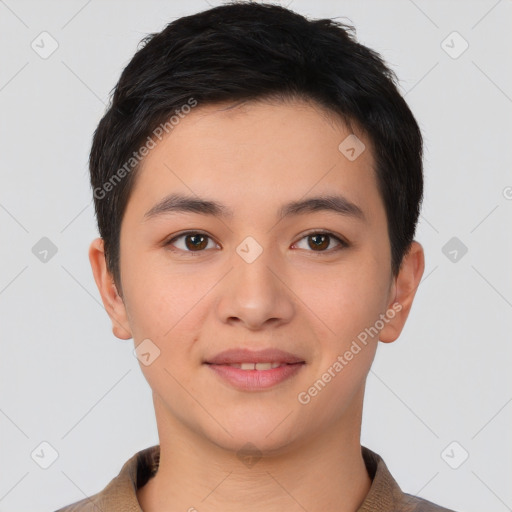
(255, 292)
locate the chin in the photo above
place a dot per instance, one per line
(264, 434)
(254, 444)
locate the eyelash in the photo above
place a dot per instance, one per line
(342, 243)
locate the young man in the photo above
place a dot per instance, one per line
(257, 182)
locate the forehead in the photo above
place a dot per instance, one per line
(257, 154)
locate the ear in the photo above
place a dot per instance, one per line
(112, 301)
(403, 292)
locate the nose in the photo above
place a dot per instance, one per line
(255, 294)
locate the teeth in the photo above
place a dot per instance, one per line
(255, 366)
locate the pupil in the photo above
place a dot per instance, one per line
(321, 244)
(196, 243)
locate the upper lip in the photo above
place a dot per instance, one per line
(269, 355)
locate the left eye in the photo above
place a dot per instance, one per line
(320, 241)
(194, 242)
(197, 242)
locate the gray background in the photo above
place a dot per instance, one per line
(67, 381)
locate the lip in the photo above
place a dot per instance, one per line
(270, 355)
(255, 380)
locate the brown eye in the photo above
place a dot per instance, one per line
(196, 241)
(193, 242)
(320, 241)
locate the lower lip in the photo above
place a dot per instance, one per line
(255, 380)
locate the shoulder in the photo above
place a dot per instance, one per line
(85, 505)
(415, 504)
(120, 495)
(385, 494)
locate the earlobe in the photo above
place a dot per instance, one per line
(110, 297)
(405, 286)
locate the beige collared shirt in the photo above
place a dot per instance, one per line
(120, 494)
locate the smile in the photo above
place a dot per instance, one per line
(255, 376)
(255, 366)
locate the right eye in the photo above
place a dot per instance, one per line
(193, 241)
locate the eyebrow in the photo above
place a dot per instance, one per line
(177, 203)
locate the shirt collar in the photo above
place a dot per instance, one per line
(384, 496)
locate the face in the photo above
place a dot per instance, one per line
(250, 274)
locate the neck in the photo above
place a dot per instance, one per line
(325, 473)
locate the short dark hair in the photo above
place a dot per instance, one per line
(250, 51)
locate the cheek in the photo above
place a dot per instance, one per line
(163, 310)
(347, 299)
(168, 311)
(155, 302)
(349, 304)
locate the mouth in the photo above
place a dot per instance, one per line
(254, 371)
(256, 366)
(265, 359)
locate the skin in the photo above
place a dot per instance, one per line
(253, 158)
